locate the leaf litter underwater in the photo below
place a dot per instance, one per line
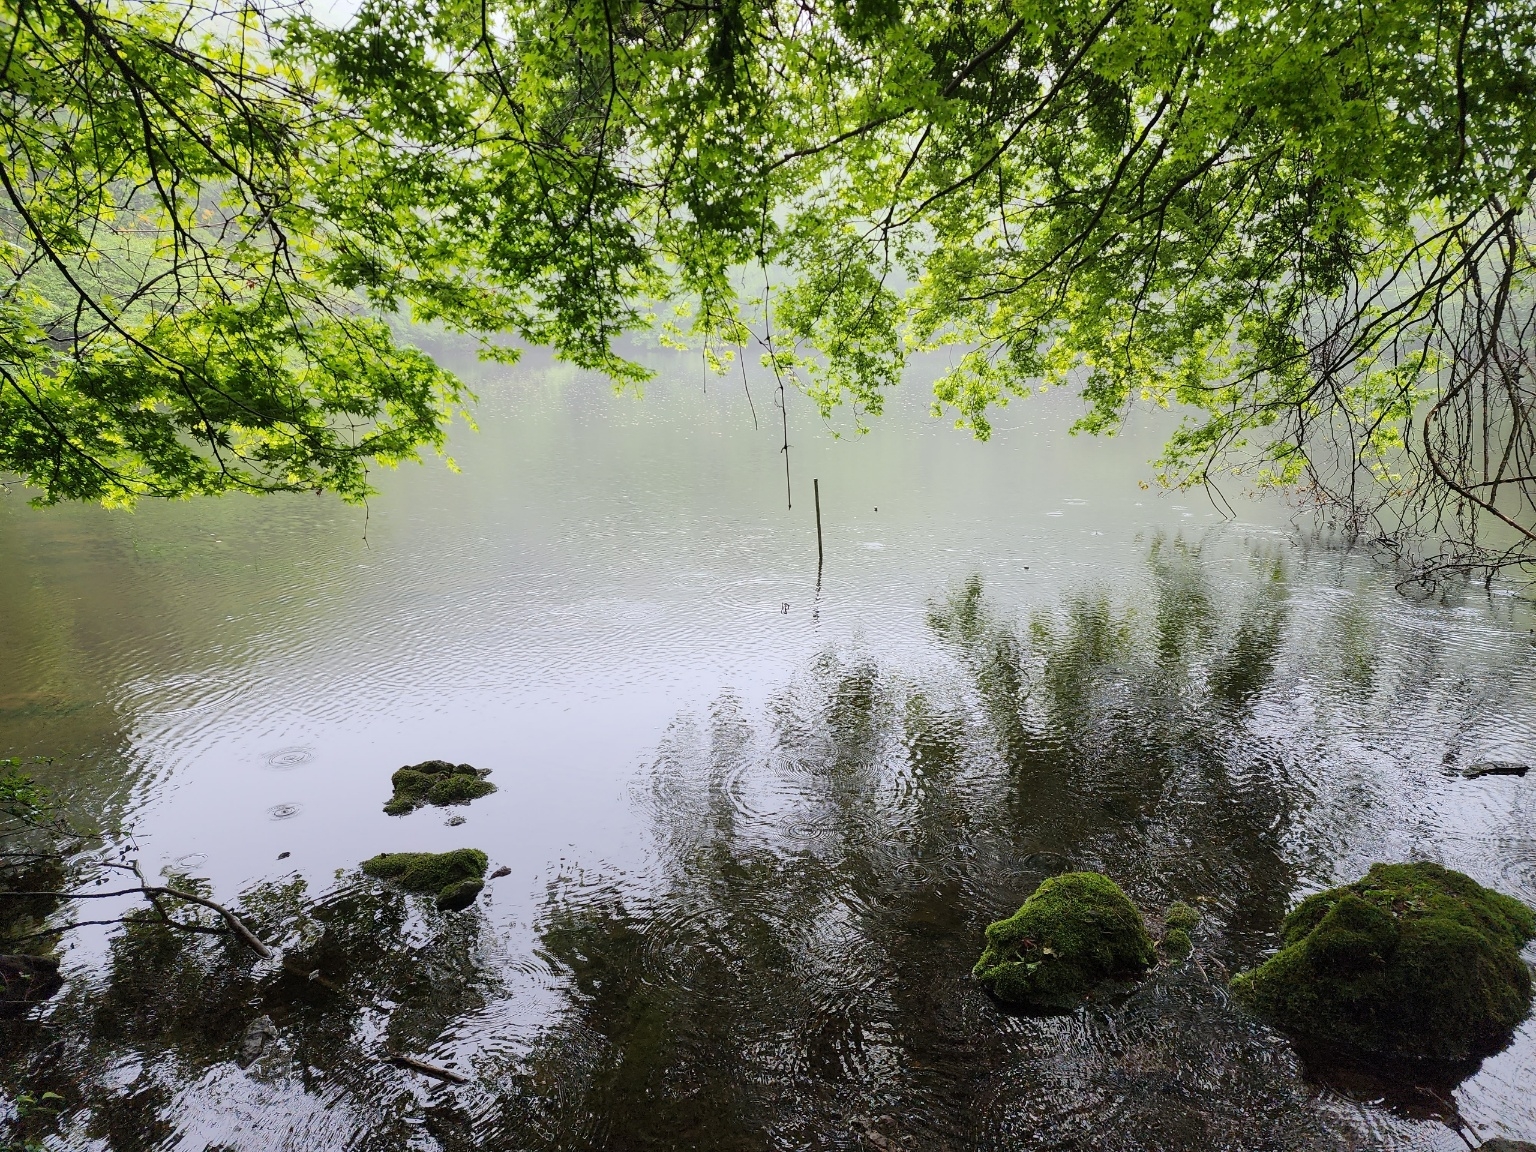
(791, 969)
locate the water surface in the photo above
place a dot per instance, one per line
(755, 817)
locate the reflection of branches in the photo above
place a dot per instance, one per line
(793, 962)
(154, 894)
(365, 983)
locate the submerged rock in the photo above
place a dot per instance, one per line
(1077, 930)
(1414, 960)
(456, 877)
(259, 1035)
(438, 783)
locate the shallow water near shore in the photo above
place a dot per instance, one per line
(756, 816)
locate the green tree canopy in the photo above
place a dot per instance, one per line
(1306, 225)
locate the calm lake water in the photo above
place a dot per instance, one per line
(754, 823)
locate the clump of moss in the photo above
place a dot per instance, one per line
(1077, 930)
(1181, 916)
(1178, 921)
(1177, 945)
(1414, 960)
(436, 782)
(455, 877)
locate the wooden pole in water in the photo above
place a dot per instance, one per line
(816, 488)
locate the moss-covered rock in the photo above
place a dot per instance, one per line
(1181, 916)
(456, 877)
(438, 783)
(457, 897)
(1178, 921)
(1177, 945)
(1076, 931)
(1414, 960)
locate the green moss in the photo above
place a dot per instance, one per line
(1077, 930)
(1181, 916)
(1414, 960)
(457, 897)
(436, 782)
(458, 789)
(1177, 945)
(449, 875)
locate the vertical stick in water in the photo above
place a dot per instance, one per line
(816, 487)
(789, 497)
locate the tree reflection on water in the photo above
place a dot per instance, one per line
(793, 969)
(795, 972)
(156, 1037)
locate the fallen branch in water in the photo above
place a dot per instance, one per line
(424, 1068)
(153, 893)
(236, 925)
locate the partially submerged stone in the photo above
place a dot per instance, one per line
(1494, 768)
(1177, 944)
(1181, 916)
(1077, 930)
(259, 1035)
(1178, 921)
(457, 897)
(1414, 960)
(455, 878)
(438, 783)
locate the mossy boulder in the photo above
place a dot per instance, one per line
(1178, 921)
(1415, 960)
(1177, 944)
(1077, 930)
(1181, 916)
(455, 878)
(438, 783)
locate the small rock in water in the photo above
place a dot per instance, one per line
(1178, 921)
(454, 876)
(258, 1037)
(1495, 768)
(438, 783)
(1177, 945)
(455, 821)
(1077, 931)
(457, 897)
(284, 855)
(500, 872)
(1181, 915)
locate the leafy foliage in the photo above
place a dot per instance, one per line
(1306, 227)
(171, 322)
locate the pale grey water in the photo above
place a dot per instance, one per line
(612, 609)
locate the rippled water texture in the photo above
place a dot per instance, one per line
(754, 823)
